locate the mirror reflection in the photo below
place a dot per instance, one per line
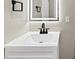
(44, 9)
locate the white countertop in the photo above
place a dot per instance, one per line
(26, 40)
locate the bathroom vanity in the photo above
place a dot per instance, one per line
(34, 45)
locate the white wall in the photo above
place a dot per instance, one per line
(15, 22)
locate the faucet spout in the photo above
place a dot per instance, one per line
(43, 25)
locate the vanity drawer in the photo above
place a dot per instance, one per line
(30, 52)
(31, 48)
(32, 57)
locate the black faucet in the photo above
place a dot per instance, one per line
(43, 30)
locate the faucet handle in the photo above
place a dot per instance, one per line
(46, 30)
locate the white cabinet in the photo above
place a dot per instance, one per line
(32, 52)
(27, 46)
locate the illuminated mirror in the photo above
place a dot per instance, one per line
(44, 10)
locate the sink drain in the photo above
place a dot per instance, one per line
(40, 42)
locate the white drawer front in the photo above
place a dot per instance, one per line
(31, 48)
(30, 53)
(38, 57)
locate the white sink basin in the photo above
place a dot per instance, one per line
(36, 39)
(51, 37)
